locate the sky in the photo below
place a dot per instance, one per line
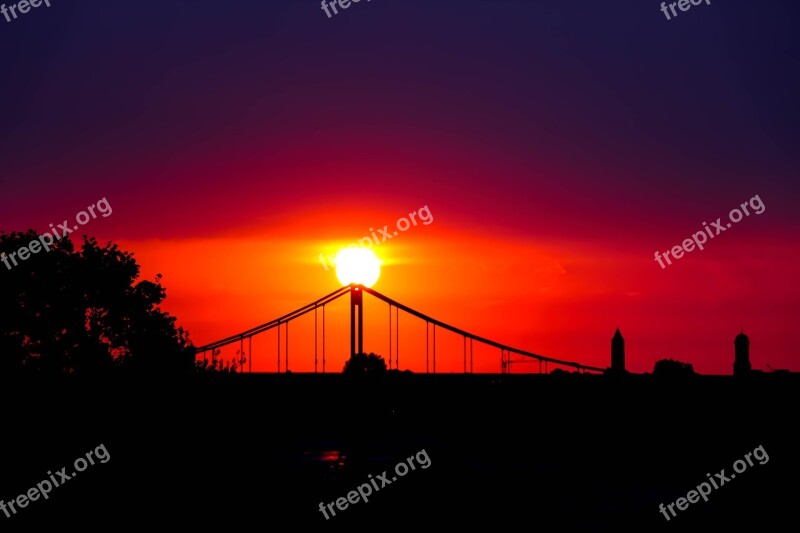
(557, 146)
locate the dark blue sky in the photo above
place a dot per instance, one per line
(108, 92)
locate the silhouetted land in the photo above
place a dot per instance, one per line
(547, 452)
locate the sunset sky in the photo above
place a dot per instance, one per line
(557, 145)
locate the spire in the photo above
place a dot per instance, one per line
(618, 353)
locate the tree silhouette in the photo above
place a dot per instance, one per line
(669, 368)
(365, 364)
(216, 365)
(68, 311)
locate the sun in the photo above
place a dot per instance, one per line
(357, 265)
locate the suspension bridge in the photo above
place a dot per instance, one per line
(357, 293)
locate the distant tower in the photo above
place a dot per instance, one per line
(618, 353)
(741, 362)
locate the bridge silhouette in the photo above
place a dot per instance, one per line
(357, 335)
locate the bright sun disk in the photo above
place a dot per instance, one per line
(357, 265)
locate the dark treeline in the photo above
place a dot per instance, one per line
(84, 311)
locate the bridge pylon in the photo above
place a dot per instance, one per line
(356, 312)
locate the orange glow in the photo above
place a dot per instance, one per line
(561, 299)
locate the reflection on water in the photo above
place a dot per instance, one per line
(333, 461)
(330, 462)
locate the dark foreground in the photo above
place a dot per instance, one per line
(584, 453)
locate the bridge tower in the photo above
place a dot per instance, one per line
(356, 311)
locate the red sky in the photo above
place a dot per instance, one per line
(557, 147)
(561, 298)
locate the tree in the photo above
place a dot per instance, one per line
(217, 366)
(365, 364)
(669, 368)
(68, 311)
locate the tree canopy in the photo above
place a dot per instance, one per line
(670, 368)
(365, 364)
(83, 311)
